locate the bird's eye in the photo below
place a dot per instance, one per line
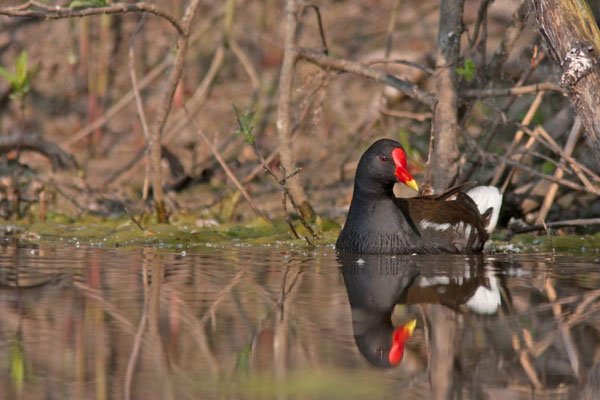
(379, 349)
(383, 158)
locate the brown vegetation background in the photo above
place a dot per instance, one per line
(496, 101)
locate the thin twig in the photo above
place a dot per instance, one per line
(140, 108)
(548, 142)
(320, 23)
(295, 127)
(553, 189)
(195, 102)
(413, 64)
(132, 218)
(510, 37)
(223, 164)
(492, 129)
(229, 19)
(549, 235)
(109, 308)
(514, 91)
(407, 114)
(118, 106)
(487, 155)
(137, 340)
(517, 138)
(134, 84)
(66, 196)
(115, 175)
(220, 296)
(578, 315)
(408, 88)
(578, 168)
(129, 96)
(526, 362)
(245, 61)
(481, 15)
(284, 188)
(391, 28)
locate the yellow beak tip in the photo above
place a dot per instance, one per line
(410, 326)
(412, 184)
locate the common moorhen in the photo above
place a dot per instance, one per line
(380, 223)
(376, 283)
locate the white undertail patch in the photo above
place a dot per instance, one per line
(486, 197)
(486, 300)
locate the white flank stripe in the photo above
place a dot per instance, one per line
(433, 225)
(461, 226)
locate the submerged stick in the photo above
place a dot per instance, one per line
(556, 224)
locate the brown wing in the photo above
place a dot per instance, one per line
(452, 225)
(446, 194)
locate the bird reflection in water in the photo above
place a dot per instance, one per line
(376, 283)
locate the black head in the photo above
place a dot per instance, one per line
(375, 344)
(382, 165)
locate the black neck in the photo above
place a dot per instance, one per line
(370, 188)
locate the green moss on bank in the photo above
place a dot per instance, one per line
(542, 243)
(189, 231)
(183, 232)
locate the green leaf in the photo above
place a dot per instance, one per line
(10, 77)
(20, 80)
(243, 360)
(245, 122)
(468, 72)
(17, 366)
(548, 167)
(21, 68)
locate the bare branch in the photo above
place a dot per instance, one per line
(44, 11)
(408, 88)
(481, 15)
(422, 67)
(60, 159)
(525, 168)
(514, 91)
(518, 136)
(406, 114)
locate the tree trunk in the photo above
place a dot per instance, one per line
(286, 79)
(573, 39)
(443, 161)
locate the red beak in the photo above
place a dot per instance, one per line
(401, 335)
(401, 171)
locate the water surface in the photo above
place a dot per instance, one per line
(245, 322)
